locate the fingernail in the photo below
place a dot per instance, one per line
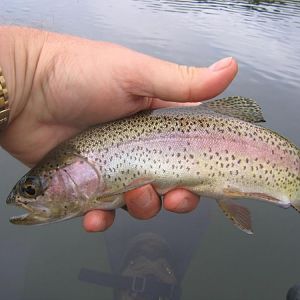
(221, 64)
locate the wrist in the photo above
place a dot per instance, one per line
(7, 64)
(19, 53)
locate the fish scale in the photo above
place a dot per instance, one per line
(184, 126)
(214, 149)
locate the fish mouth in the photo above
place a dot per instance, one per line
(33, 216)
(29, 219)
(21, 219)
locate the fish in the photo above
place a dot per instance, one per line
(216, 149)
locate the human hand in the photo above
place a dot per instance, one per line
(59, 85)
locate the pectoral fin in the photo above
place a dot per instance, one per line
(114, 199)
(133, 185)
(239, 215)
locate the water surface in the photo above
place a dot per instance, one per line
(208, 257)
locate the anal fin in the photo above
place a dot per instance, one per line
(296, 206)
(239, 215)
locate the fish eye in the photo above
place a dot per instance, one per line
(30, 187)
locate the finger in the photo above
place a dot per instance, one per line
(142, 203)
(98, 220)
(180, 201)
(151, 77)
(154, 103)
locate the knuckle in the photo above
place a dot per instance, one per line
(187, 76)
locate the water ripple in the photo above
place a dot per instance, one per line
(265, 35)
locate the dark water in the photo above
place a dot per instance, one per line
(199, 255)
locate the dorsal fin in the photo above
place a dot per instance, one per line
(242, 108)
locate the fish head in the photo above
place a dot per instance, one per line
(55, 192)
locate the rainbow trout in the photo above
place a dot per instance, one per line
(214, 149)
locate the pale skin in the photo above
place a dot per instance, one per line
(59, 85)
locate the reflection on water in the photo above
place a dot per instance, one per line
(146, 272)
(294, 293)
(150, 261)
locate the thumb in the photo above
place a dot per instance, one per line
(172, 82)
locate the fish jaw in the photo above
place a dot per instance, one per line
(40, 216)
(34, 215)
(44, 212)
(31, 218)
(37, 213)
